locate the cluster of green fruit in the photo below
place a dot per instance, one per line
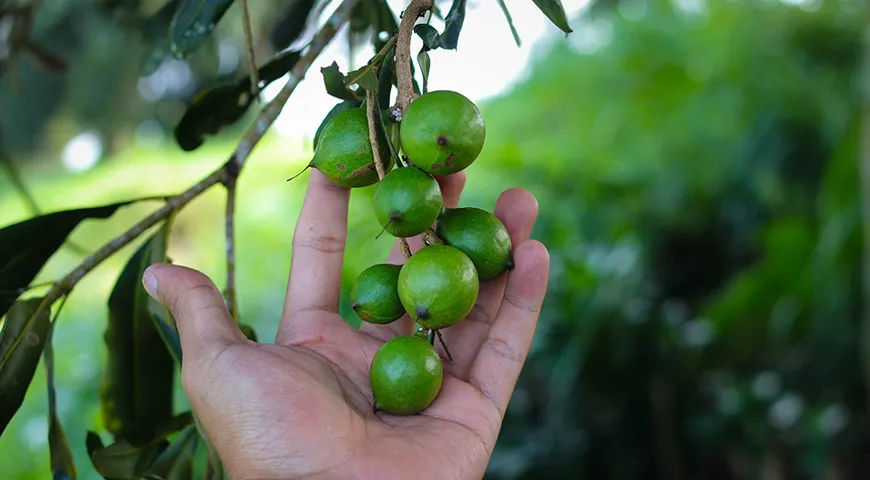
(441, 132)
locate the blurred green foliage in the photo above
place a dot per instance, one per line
(697, 168)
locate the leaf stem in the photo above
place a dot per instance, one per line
(405, 80)
(249, 49)
(230, 169)
(230, 217)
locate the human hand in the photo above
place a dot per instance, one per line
(303, 408)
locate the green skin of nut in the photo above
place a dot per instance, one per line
(442, 132)
(407, 202)
(438, 286)
(375, 296)
(480, 235)
(405, 376)
(344, 152)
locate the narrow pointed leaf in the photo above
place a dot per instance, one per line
(193, 23)
(431, 38)
(333, 79)
(24, 335)
(385, 79)
(510, 20)
(166, 328)
(26, 246)
(176, 462)
(291, 24)
(155, 36)
(137, 388)
(554, 10)
(453, 25)
(424, 62)
(62, 463)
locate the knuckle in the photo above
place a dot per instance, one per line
(479, 314)
(505, 349)
(519, 303)
(321, 243)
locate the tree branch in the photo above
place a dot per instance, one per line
(249, 50)
(404, 78)
(230, 217)
(230, 169)
(371, 112)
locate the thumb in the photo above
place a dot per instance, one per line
(205, 326)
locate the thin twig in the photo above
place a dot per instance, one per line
(404, 78)
(230, 169)
(371, 111)
(249, 50)
(230, 291)
(431, 238)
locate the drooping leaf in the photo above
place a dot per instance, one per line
(431, 38)
(346, 105)
(26, 246)
(24, 335)
(176, 462)
(123, 461)
(62, 463)
(249, 331)
(291, 24)
(424, 62)
(193, 23)
(155, 36)
(136, 393)
(453, 25)
(386, 77)
(510, 20)
(386, 24)
(333, 79)
(554, 10)
(224, 104)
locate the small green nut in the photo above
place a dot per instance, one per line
(405, 376)
(438, 286)
(407, 201)
(375, 295)
(480, 235)
(442, 132)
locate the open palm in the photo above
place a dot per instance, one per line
(302, 407)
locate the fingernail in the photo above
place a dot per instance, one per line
(150, 283)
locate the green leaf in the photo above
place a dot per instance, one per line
(62, 463)
(273, 69)
(431, 38)
(510, 20)
(425, 63)
(453, 25)
(193, 23)
(166, 328)
(155, 36)
(176, 462)
(137, 389)
(26, 246)
(292, 23)
(224, 104)
(365, 77)
(124, 461)
(554, 10)
(386, 78)
(333, 79)
(346, 105)
(24, 334)
(249, 331)
(386, 23)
